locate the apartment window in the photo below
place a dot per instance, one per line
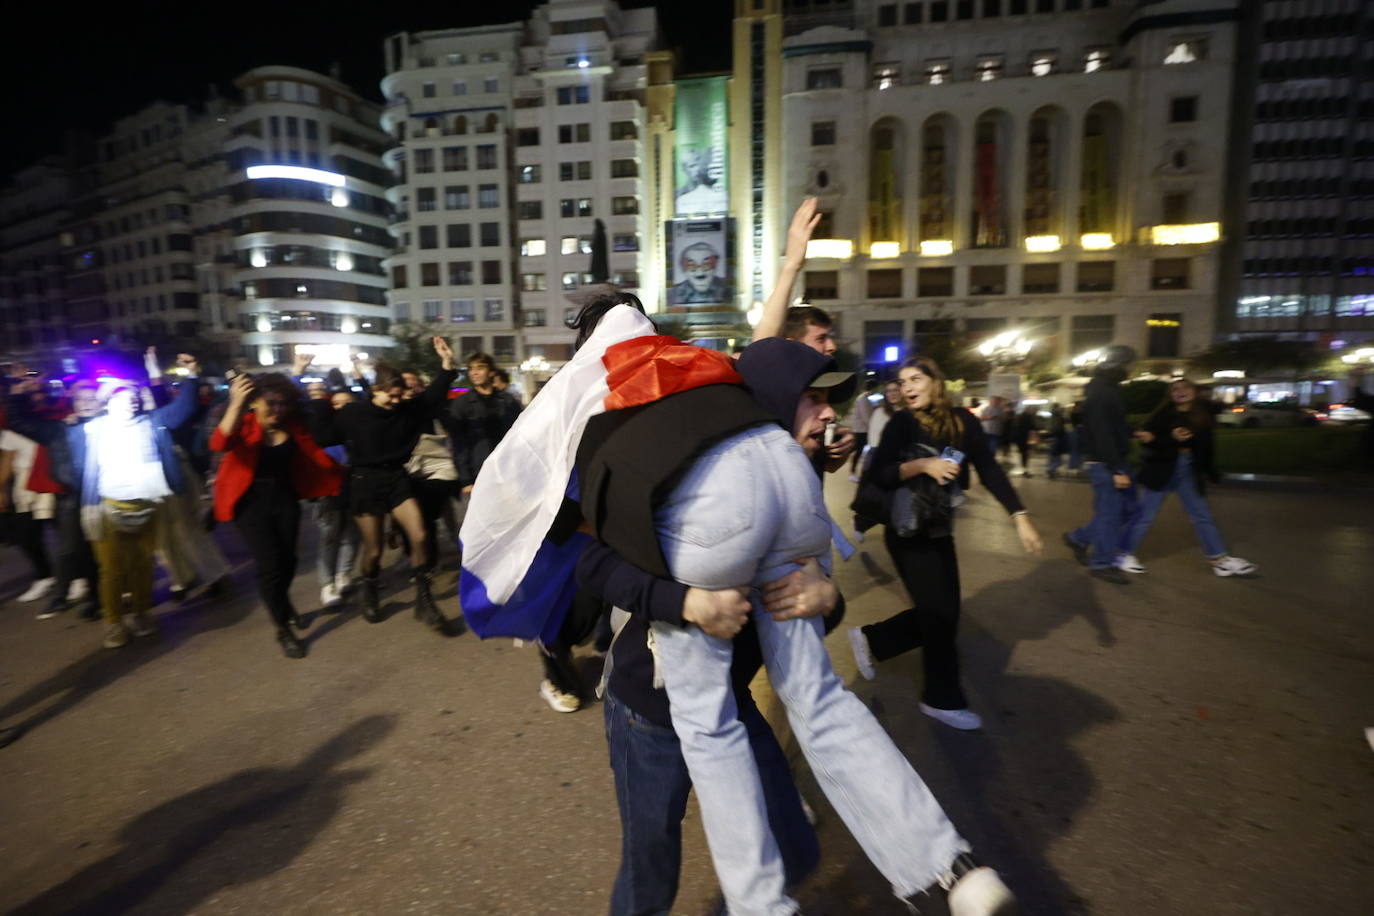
(1044, 6)
(1186, 51)
(487, 57)
(534, 283)
(491, 84)
(988, 68)
(530, 174)
(455, 159)
(1097, 59)
(1183, 109)
(1096, 276)
(568, 245)
(495, 310)
(936, 72)
(885, 284)
(1091, 332)
(1165, 333)
(534, 318)
(486, 156)
(571, 207)
(457, 197)
(574, 95)
(432, 309)
(987, 280)
(575, 171)
(570, 280)
(530, 209)
(992, 8)
(822, 133)
(624, 168)
(575, 133)
(312, 130)
(911, 14)
(821, 284)
(1175, 208)
(491, 273)
(459, 273)
(428, 90)
(887, 14)
(425, 200)
(963, 9)
(527, 136)
(462, 310)
(532, 248)
(885, 76)
(456, 58)
(429, 274)
(460, 87)
(490, 235)
(935, 281)
(1042, 63)
(429, 237)
(624, 206)
(1040, 278)
(824, 78)
(424, 160)
(470, 345)
(398, 276)
(626, 242)
(502, 347)
(459, 235)
(939, 11)
(1169, 273)
(488, 196)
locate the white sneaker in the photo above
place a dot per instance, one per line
(38, 589)
(858, 536)
(343, 583)
(141, 623)
(79, 589)
(863, 655)
(558, 700)
(966, 720)
(329, 596)
(1129, 563)
(981, 892)
(1226, 566)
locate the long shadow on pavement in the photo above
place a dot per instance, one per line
(231, 832)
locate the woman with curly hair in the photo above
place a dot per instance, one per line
(270, 463)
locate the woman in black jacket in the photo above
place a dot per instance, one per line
(926, 560)
(1179, 456)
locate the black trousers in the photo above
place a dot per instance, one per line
(27, 534)
(860, 440)
(75, 559)
(269, 518)
(930, 571)
(436, 500)
(584, 620)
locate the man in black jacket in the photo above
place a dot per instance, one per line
(1106, 455)
(481, 419)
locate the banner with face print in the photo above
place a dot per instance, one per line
(700, 267)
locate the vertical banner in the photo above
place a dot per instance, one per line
(701, 182)
(700, 265)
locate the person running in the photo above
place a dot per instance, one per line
(380, 435)
(1180, 458)
(270, 464)
(915, 443)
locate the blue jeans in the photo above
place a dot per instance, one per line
(1184, 483)
(651, 787)
(338, 540)
(741, 515)
(1113, 512)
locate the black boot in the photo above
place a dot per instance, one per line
(372, 605)
(426, 611)
(291, 647)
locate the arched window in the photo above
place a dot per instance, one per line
(884, 191)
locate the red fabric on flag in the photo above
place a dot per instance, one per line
(40, 475)
(645, 369)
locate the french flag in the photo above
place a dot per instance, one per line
(514, 581)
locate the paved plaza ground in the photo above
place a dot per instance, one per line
(1183, 745)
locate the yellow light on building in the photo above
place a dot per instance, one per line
(1163, 323)
(935, 248)
(841, 249)
(882, 250)
(1097, 241)
(1042, 243)
(1186, 234)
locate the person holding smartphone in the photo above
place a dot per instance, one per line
(925, 558)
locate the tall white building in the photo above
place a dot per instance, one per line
(509, 142)
(35, 319)
(1053, 166)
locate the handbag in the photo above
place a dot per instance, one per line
(921, 505)
(130, 516)
(432, 459)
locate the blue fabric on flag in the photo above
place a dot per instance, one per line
(540, 602)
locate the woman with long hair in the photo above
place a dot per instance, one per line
(270, 463)
(1179, 457)
(926, 561)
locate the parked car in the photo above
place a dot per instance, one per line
(1337, 414)
(1267, 414)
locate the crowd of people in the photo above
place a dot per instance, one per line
(684, 489)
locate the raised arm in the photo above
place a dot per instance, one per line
(226, 433)
(794, 258)
(436, 394)
(179, 411)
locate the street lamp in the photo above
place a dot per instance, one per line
(535, 364)
(1006, 348)
(1362, 355)
(1084, 361)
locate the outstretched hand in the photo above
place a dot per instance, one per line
(239, 389)
(301, 362)
(804, 222)
(445, 352)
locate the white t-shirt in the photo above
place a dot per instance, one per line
(130, 466)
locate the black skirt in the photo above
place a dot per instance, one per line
(377, 491)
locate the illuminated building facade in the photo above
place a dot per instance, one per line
(1050, 166)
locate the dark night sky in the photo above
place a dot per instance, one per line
(85, 65)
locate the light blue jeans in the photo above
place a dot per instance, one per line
(1114, 509)
(745, 511)
(1184, 482)
(339, 538)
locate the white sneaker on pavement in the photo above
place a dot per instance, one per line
(79, 589)
(329, 595)
(558, 700)
(1225, 566)
(141, 623)
(966, 720)
(981, 893)
(343, 583)
(1129, 563)
(38, 589)
(863, 655)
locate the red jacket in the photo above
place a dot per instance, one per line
(313, 473)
